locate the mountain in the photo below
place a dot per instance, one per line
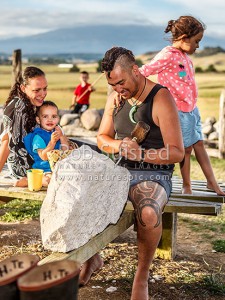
(96, 39)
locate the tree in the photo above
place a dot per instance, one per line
(198, 70)
(211, 68)
(74, 69)
(99, 67)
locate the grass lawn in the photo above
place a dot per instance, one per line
(61, 84)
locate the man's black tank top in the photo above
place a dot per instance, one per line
(123, 126)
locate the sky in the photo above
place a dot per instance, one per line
(29, 17)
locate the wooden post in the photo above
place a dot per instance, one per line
(167, 245)
(17, 65)
(222, 125)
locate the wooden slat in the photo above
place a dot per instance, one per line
(24, 193)
(97, 243)
(178, 179)
(190, 207)
(206, 198)
(197, 192)
(21, 193)
(193, 209)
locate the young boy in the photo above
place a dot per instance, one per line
(45, 138)
(80, 100)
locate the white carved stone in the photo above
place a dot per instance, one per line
(87, 192)
(91, 119)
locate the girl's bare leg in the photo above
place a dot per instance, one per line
(185, 168)
(205, 164)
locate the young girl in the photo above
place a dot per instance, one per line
(175, 71)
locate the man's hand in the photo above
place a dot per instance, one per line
(130, 149)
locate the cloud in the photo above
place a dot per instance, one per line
(19, 22)
(20, 18)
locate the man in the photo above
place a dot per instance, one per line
(134, 99)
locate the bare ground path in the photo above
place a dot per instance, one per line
(178, 279)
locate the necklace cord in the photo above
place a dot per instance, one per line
(136, 100)
(134, 106)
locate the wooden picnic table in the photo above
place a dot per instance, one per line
(202, 201)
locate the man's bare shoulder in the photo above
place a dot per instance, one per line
(110, 103)
(164, 106)
(164, 97)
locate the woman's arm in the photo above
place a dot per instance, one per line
(4, 151)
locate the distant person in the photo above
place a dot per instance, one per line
(80, 100)
(47, 137)
(175, 71)
(25, 96)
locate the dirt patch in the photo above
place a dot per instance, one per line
(178, 279)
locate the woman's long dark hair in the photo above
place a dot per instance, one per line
(29, 72)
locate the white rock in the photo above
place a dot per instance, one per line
(216, 126)
(207, 129)
(91, 119)
(87, 192)
(213, 136)
(64, 111)
(73, 130)
(68, 119)
(157, 277)
(210, 120)
(111, 289)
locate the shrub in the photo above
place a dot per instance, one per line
(211, 68)
(99, 67)
(198, 70)
(139, 62)
(74, 69)
(219, 245)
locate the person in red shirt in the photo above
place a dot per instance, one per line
(80, 100)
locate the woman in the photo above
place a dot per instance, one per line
(27, 93)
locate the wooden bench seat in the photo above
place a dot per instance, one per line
(203, 201)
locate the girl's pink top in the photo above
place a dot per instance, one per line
(175, 71)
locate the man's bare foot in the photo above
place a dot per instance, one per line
(22, 182)
(216, 188)
(186, 190)
(139, 290)
(92, 265)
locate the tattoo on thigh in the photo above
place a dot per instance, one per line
(148, 194)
